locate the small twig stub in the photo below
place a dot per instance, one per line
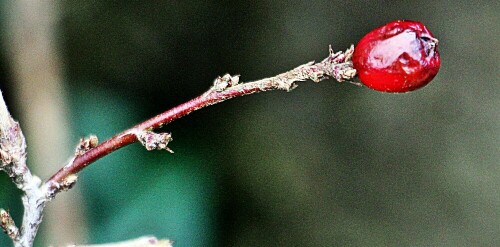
(86, 144)
(154, 141)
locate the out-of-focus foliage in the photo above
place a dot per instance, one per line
(326, 165)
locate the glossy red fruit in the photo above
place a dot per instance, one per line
(398, 57)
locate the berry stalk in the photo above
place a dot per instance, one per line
(336, 65)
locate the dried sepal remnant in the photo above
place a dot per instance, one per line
(86, 144)
(154, 141)
(8, 225)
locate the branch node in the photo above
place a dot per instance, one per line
(8, 225)
(68, 182)
(86, 144)
(154, 141)
(53, 188)
(221, 83)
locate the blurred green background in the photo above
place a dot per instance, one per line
(328, 164)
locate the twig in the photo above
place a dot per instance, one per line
(13, 146)
(147, 241)
(8, 225)
(13, 162)
(337, 65)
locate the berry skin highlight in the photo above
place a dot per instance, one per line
(397, 57)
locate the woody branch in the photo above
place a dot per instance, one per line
(13, 146)
(336, 65)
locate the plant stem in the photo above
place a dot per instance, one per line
(13, 162)
(336, 65)
(128, 137)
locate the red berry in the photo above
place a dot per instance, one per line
(398, 57)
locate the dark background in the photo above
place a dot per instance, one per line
(328, 164)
